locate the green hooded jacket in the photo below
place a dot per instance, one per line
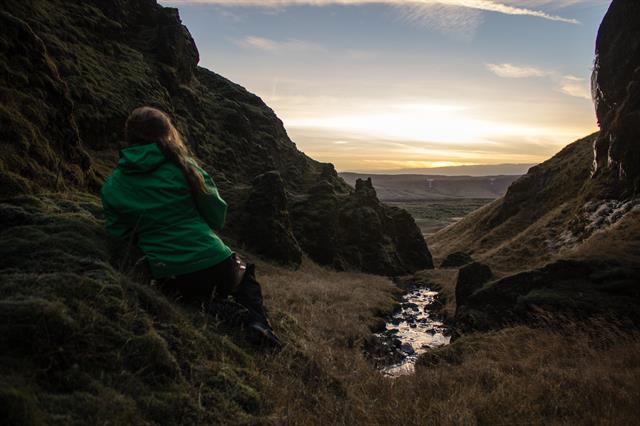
(147, 199)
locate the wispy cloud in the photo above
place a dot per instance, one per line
(575, 86)
(517, 71)
(270, 45)
(555, 4)
(568, 84)
(503, 7)
(459, 22)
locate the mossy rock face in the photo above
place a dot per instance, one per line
(73, 71)
(267, 228)
(82, 342)
(617, 94)
(356, 231)
(41, 145)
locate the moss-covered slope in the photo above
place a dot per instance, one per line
(83, 343)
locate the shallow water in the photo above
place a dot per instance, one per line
(414, 329)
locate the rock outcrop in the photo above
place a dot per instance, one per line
(616, 91)
(72, 72)
(332, 226)
(266, 226)
(578, 288)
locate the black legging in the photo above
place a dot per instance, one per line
(201, 287)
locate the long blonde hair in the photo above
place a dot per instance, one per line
(147, 125)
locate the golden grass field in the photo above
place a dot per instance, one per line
(565, 373)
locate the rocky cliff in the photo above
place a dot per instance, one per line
(616, 92)
(566, 236)
(72, 71)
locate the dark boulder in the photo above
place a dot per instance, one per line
(267, 228)
(383, 350)
(456, 259)
(585, 289)
(470, 279)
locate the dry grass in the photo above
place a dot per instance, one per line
(520, 230)
(83, 343)
(520, 375)
(337, 307)
(554, 375)
(523, 376)
(620, 242)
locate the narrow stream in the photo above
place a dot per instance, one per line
(411, 331)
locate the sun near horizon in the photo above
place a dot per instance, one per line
(406, 85)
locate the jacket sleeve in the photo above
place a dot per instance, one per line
(211, 205)
(115, 223)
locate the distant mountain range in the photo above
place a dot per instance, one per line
(475, 170)
(416, 187)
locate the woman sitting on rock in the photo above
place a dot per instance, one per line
(159, 197)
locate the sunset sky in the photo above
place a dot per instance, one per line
(379, 85)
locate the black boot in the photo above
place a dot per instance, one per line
(261, 335)
(249, 295)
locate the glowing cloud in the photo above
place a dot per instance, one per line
(567, 84)
(437, 124)
(575, 86)
(515, 71)
(266, 44)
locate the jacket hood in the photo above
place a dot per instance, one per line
(140, 158)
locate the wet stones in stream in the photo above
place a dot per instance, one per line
(414, 328)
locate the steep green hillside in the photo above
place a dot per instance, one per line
(85, 342)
